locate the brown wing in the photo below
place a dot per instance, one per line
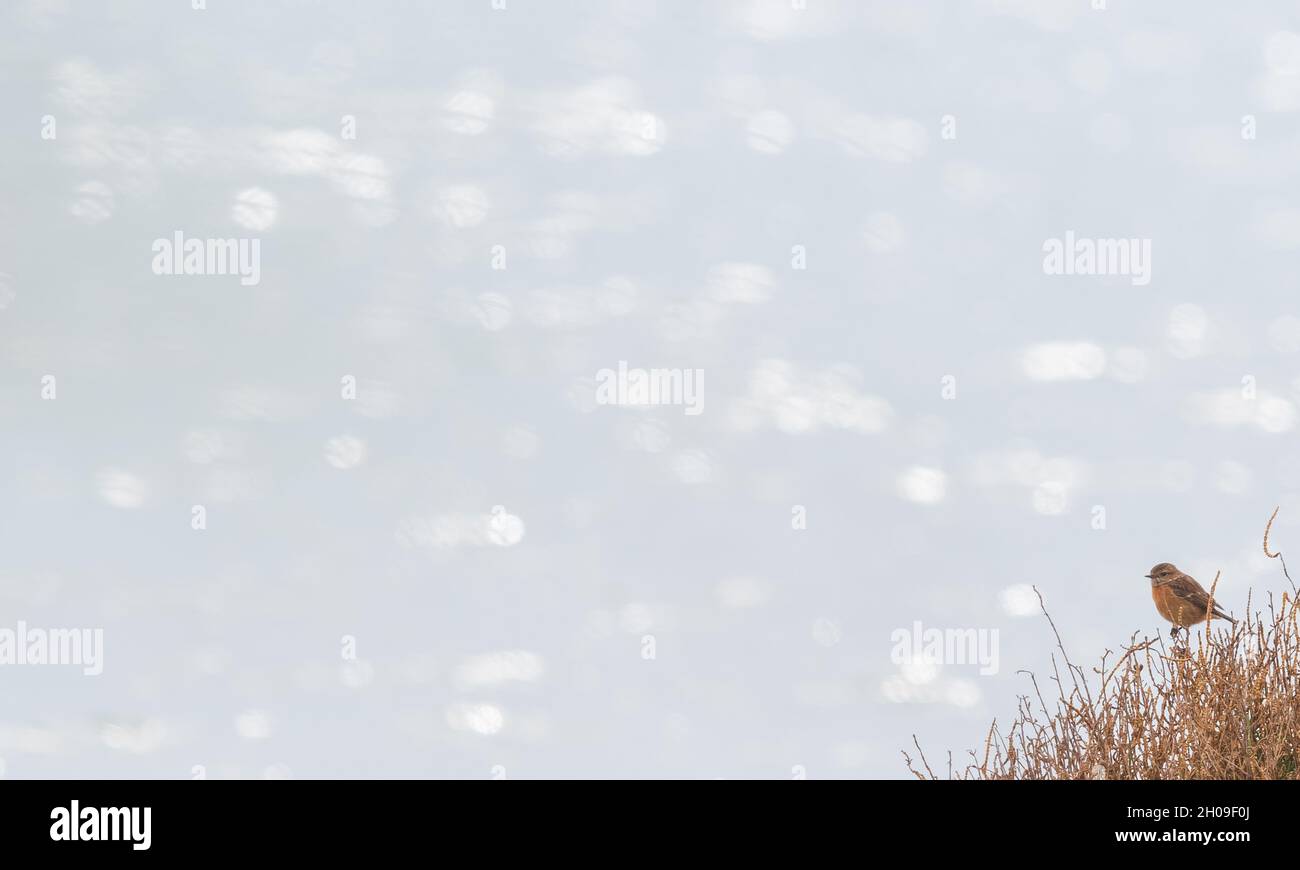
(1194, 594)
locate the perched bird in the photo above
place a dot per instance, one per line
(1180, 599)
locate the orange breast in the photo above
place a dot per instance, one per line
(1173, 608)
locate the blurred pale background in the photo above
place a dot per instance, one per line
(641, 603)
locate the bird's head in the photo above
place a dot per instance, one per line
(1163, 571)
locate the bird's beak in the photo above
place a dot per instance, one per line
(1148, 576)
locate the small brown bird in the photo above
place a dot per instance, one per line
(1180, 599)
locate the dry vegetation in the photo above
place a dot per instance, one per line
(1218, 704)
